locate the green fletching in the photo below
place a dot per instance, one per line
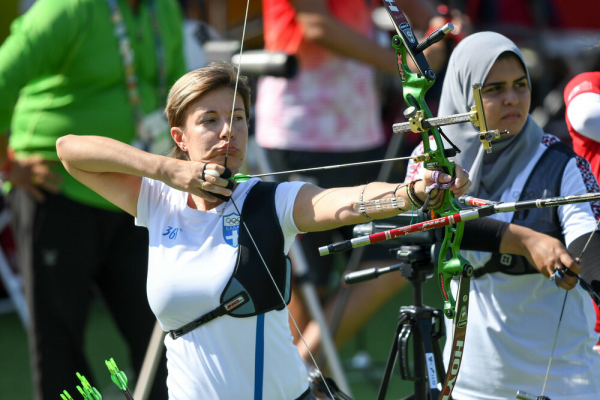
(82, 392)
(95, 394)
(240, 178)
(118, 377)
(66, 395)
(120, 380)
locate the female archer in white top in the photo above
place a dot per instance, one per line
(195, 236)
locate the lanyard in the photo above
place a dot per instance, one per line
(127, 57)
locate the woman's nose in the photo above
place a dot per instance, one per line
(511, 97)
(227, 132)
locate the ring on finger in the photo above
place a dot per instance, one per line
(202, 186)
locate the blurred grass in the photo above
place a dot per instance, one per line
(103, 341)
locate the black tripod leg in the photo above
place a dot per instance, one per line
(431, 358)
(389, 368)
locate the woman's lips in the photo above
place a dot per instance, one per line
(223, 149)
(511, 117)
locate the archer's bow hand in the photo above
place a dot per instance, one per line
(437, 180)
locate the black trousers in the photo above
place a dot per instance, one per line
(67, 251)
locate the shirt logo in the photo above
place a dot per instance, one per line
(231, 229)
(171, 232)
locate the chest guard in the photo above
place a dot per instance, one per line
(544, 181)
(250, 291)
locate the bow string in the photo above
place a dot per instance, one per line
(239, 67)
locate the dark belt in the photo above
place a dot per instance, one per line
(229, 305)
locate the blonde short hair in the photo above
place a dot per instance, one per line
(195, 84)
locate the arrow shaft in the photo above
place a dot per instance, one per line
(333, 166)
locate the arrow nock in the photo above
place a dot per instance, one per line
(88, 391)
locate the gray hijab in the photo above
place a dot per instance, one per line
(491, 174)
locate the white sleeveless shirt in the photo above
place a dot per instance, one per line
(191, 258)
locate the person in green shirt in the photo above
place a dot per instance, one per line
(87, 67)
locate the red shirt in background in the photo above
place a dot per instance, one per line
(283, 33)
(587, 82)
(562, 14)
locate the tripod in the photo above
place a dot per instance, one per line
(420, 323)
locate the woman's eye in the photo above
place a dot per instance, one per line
(521, 85)
(207, 121)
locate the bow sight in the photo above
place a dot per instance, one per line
(417, 123)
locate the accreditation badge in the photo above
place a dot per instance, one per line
(154, 134)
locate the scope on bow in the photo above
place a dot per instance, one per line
(418, 123)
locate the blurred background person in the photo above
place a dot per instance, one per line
(96, 67)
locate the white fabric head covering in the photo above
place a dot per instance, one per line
(470, 62)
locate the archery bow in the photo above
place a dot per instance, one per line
(415, 85)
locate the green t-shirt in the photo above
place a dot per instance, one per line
(61, 73)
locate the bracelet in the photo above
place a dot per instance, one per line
(413, 196)
(410, 197)
(396, 197)
(361, 205)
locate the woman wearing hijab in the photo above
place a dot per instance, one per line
(514, 308)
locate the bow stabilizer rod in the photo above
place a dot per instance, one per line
(462, 216)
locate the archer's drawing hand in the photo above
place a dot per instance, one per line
(187, 176)
(548, 254)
